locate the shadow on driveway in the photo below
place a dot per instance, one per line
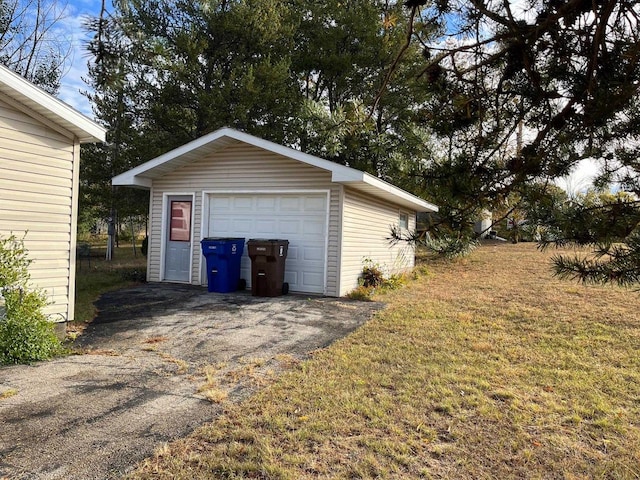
(95, 415)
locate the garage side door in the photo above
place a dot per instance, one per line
(299, 218)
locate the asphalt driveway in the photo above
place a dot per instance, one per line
(148, 362)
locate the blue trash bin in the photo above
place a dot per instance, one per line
(223, 263)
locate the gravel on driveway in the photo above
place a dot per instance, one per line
(144, 359)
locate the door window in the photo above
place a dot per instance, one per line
(180, 221)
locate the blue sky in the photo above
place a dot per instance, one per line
(71, 26)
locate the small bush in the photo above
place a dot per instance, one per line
(372, 274)
(25, 333)
(420, 271)
(361, 293)
(372, 279)
(394, 281)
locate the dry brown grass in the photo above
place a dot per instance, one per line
(182, 365)
(100, 351)
(220, 380)
(484, 368)
(8, 393)
(211, 389)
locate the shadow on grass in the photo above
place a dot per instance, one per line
(96, 275)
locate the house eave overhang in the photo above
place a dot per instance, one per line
(379, 188)
(143, 175)
(41, 103)
(134, 181)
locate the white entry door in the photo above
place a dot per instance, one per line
(300, 218)
(177, 257)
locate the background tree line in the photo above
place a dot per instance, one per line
(299, 73)
(468, 103)
(473, 104)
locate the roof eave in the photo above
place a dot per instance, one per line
(135, 181)
(357, 179)
(55, 110)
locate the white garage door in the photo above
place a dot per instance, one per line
(299, 218)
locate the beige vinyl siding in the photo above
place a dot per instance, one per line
(36, 196)
(153, 246)
(333, 241)
(366, 226)
(196, 221)
(75, 197)
(245, 168)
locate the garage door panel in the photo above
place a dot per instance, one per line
(291, 204)
(290, 227)
(292, 253)
(299, 218)
(241, 226)
(217, 203)
(266, 228)
(266, 203)
(291, 277)
(312, 228)
(309, 279)
(223, 224)
(316, 205)
(243, 203)
(313, 254)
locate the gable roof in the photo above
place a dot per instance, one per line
(25, 96)
(143, 175)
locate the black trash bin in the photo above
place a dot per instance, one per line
(267, 267)
(223, 263)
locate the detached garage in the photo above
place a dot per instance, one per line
(231, 184)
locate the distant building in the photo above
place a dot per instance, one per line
(483, 226)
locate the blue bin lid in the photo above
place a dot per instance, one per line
(222, 239)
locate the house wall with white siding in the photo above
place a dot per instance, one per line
(366, 228)
(240, 167)
(38, 189)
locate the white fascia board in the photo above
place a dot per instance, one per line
(347, 176)
(56, 110)
(127, 179)
(420, 204)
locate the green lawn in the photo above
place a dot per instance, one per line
(483, 368)
(102, 276)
